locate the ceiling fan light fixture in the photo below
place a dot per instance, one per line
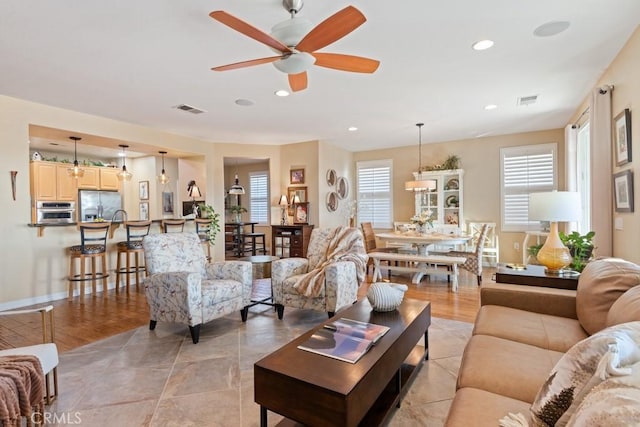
(291, 31)
(296, 63)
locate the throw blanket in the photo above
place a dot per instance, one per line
(345, 244)
(22, 388)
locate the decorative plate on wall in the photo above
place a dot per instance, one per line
(452, 184)
(342, 187)
(332, 177)
(332, 201)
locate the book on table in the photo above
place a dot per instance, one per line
(345, 339)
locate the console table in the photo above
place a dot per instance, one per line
(534, 275)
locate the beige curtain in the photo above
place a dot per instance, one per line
(601, 170)
(571, 164)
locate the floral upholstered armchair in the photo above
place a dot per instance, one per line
(183, 288)
(328, 279)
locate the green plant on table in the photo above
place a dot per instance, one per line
(210, 213)
(580, 247)
(237, 209)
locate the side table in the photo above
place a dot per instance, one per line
(263, 261)
(534, 275)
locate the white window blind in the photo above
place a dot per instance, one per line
(259, 197)
(526, 169)
(375, 198)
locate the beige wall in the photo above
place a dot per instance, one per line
(303, 156)
(340, 160)
(480, 159)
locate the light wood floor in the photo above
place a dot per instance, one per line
(104, 315)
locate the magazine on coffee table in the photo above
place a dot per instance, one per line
(345, 339)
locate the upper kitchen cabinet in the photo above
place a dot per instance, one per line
(97, 178)
(51, 181)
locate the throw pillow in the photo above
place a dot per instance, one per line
(614, 402)
(582, 367)
(626, 308)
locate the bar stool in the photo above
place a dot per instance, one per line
(254, 242)
(136, 230)
(172, 225)
(202, 230)
(93, 245)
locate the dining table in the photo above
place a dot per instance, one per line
(422, 242)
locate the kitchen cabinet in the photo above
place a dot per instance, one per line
(290, 240)
(446, 201)
(99, 178)
(51, 182)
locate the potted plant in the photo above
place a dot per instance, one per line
(533, 253)
(209, 213)
(580, 247)
(237, 211)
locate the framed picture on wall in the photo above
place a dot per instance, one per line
(167, 202)
(292, 193)
(622, 137)
(297, 176)
(623, 191)
(301, 213)
(143, 190)
(144, 211)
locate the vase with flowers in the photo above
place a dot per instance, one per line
(423, 221)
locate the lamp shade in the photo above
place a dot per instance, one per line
(420, 185)
(283, 201)
(555, 206)
(236, 188)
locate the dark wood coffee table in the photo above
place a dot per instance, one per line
(317, 390)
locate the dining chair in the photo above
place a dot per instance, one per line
(473, 263)
(491, 243)
(371, 246)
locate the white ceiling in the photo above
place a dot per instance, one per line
(135, 60)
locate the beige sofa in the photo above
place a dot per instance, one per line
(521, 332)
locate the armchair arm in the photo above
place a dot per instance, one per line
(46, 337)
(240, 271)
(341, 285)
(555, 302)
(175, 297)
(283, 269)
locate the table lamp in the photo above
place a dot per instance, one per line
(554, 206)
(194, 192)
(284, 203)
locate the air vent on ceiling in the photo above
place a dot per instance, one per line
(527, 100)
(189, 109)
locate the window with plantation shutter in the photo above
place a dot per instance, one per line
(259, 197)
(375, 198)
(526, 169)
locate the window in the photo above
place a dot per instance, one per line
(526, 169)
(259, 197)
(375, 198)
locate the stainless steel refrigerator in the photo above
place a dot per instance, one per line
(94, 204)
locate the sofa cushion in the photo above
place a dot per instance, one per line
(614, 402)
(601, 283)
(541, 330)
(583, 367)
(626, 308)
(505, 367)
(474, 407)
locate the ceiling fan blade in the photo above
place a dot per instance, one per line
(244, 64)
(331, 29)
(337, 61)
(248, 30)
(298, 82)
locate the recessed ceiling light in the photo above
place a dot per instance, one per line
(244, 102)
(352, 128)
(490, 107)
(482, 45)
(551, 28)
(282, 92)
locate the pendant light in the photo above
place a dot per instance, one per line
(236, 188)
(163, 179)
(124, 174)
(420, 184)
(75, 171)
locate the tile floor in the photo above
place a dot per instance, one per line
(159, 378)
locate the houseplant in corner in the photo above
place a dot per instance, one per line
(237, 211)
(210, 213)
(580, 247)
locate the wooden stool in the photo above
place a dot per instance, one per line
(172, 225)
(250, 244)
(136, 230)
(202, 230)
(93, 244)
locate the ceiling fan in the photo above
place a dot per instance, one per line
(297, 42)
